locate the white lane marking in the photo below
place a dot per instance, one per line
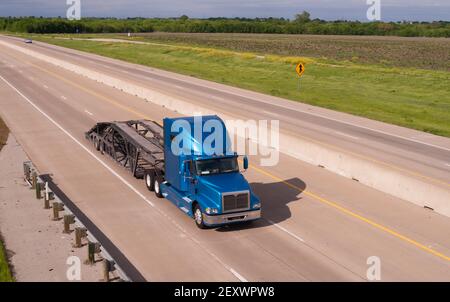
(345, 134)
(271, 113)
(20, 71)
(286, 230)
(129, 185)
(217, 98)
(63, 97)
(45, 86)
(448, 165)
(178, 87)
(88, 112)
(242, 279)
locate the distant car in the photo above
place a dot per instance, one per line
(28, 41)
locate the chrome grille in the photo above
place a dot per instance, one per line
(234, 201)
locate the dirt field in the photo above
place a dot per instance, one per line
(427, 53)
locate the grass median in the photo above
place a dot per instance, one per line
(5, 273)
(409, 97)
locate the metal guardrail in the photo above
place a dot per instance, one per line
(98, 242)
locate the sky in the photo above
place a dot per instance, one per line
(391, 10)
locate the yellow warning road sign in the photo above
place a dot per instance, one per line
(300, 69)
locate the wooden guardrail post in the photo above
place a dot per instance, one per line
(27, 171)
(108, 266)
(33, 180)
(48, 195)
(57, 207)
(68, 220)
(80, 233)
(38, 188)
(91, 252)
(93, 248)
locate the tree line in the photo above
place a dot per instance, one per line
(88, 25)
(302, 24)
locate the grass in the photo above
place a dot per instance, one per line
(409, 97)
(425, 53)
(5, 273)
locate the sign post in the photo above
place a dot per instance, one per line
(300, 69)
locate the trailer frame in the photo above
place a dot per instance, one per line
(137, 145)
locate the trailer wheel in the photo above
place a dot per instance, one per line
(198, 217)
(97, 144)
(157, 187)
(149, 178)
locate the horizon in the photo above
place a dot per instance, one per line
(350, 10)
(225, 18)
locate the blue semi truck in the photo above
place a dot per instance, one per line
(205, 183)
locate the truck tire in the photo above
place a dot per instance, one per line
(97, 144)
(157, 187)
(198, 217)
(149, 178)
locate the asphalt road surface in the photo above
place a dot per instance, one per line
(316, 226)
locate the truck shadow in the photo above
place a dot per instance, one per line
(275, 198)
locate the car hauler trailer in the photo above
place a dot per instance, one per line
(207, 187)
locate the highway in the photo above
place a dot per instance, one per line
(413, 151)
(316, 226)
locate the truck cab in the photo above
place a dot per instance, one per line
(205, 184)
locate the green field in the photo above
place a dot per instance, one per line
(424, 53)
(5, 273)
(379, 89)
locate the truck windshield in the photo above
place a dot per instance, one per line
(217, 165)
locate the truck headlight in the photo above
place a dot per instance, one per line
(211, 211)
(257, 205)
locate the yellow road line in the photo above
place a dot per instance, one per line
(353, 214)
(313, 195)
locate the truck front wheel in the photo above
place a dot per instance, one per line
(198, 217)
(157, 187)
(97, 144)
(149, 178)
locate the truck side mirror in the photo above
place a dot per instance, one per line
(245, 159)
